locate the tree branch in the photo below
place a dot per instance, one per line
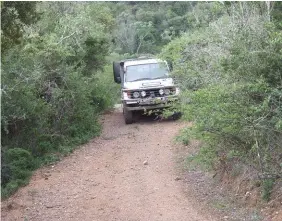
(66, 37)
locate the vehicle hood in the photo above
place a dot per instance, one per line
(144, 84)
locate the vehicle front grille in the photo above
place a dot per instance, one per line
(150, 92)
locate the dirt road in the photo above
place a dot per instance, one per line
(129, 173)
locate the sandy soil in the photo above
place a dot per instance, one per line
(130, 173)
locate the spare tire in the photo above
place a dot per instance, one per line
(116, 69)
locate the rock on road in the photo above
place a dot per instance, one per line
(128, 173)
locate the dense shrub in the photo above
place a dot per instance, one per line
(55, 83)
(231, 73)
(17, 164)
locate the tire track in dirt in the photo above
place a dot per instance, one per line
(106, 179)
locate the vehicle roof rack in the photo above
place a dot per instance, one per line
(146, 56)
(142, 57)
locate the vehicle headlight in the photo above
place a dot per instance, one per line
(136, 94)
(161, 91)
(167, 91)
(143, 93)
(125, 95)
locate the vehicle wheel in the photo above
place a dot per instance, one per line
(128, 116)
(136, 116)
(176, 115)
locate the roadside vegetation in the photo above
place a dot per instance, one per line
(231, 76)
(56, 80)
(56, 69)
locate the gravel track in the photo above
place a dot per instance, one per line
(129, 173)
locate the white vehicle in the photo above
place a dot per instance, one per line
(146, 85)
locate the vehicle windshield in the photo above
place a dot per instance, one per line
(146, 72)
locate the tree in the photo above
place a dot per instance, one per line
(144, 29)
(230, 72)
(14, 16)
(53, 88)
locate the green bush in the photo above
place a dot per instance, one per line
(267, 186)
(19, 158)
(17, 166)
(55, 84)
(206, 158)
(231, 74)
(12, 187)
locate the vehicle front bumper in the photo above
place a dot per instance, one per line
(149, 103)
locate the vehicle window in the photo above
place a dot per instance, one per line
(146, 72)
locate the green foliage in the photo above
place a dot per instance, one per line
(206, 158)
(277, 13)
(55, 84)
(230, 72)
(12, 187)
(183, 137)
(267, 186)
(20, 158)
(14, 16)
(95, 54)
(145, 27)
(17, 164)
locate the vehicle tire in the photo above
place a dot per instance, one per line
(128, 116)
(136, 116)
(116, 70)
(176, 115)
